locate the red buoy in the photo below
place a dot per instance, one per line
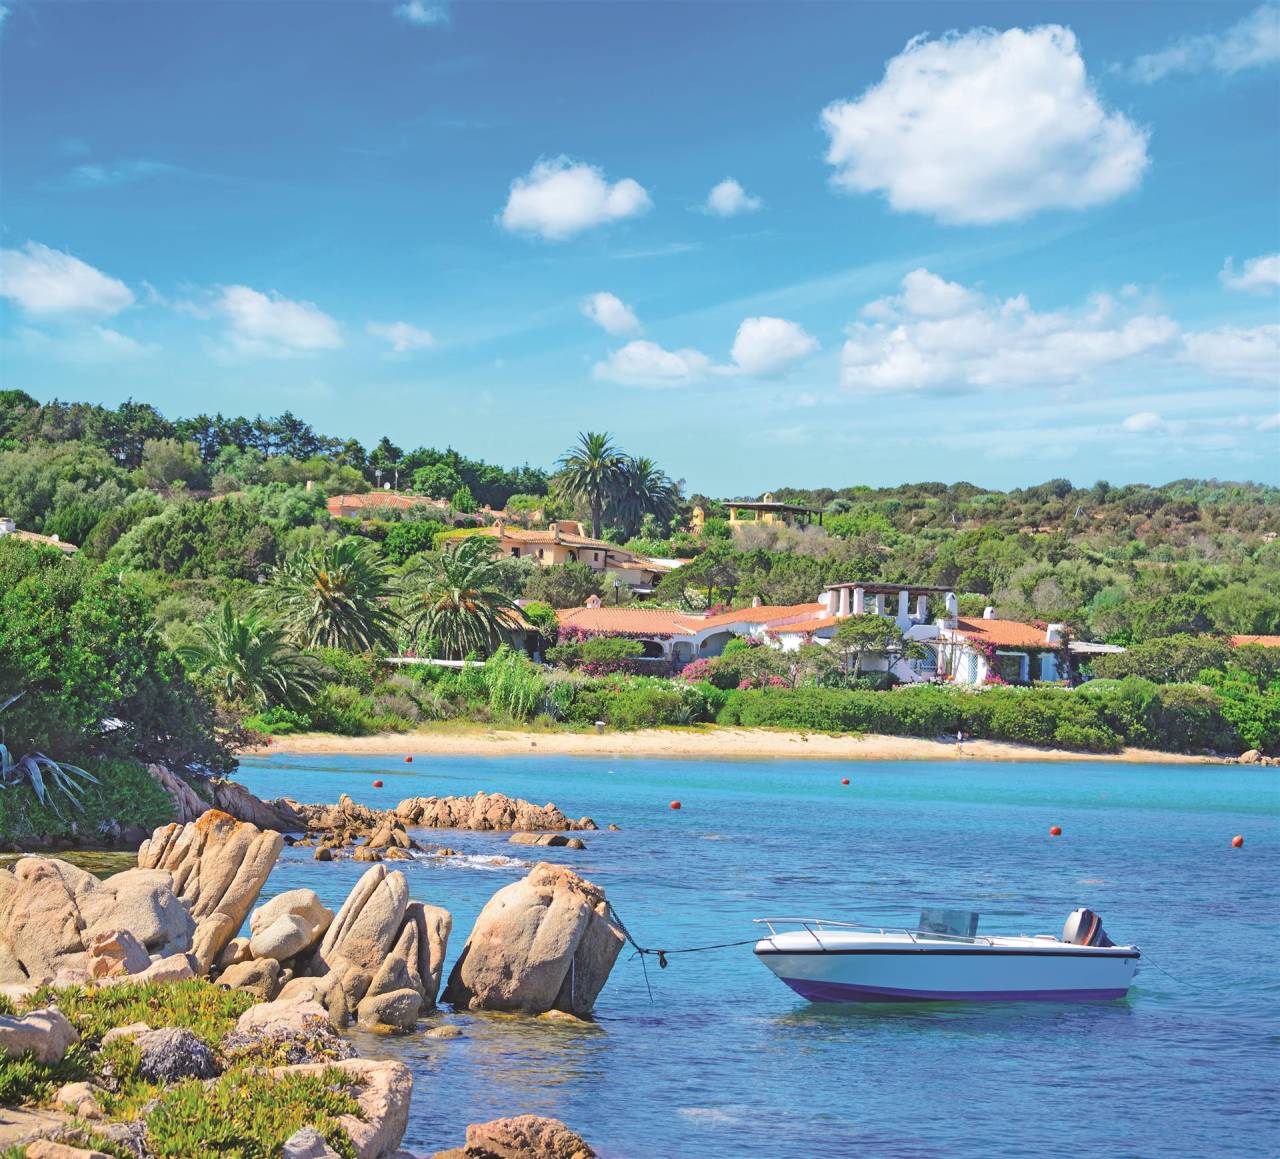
(844, 780)
(1237, 841)
(1055, 830)
(408, 760)
(377, 784)
(675, 804)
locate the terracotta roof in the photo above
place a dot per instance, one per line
(1003, 633)
(375, 499)
(631, 621)
(44, 541)
(1265, 641)
(805, 626)
(764, 614)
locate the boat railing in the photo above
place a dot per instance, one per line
(815, 926)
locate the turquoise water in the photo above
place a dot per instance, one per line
(726, 1061)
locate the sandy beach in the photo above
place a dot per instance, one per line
(702, 744)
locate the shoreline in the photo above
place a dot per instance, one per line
(695, 744)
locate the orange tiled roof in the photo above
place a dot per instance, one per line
(1003, 633)
(632, 621)
(765, 614)
(806, 626)
(1265, 641)
(382, 499)
(45, 541)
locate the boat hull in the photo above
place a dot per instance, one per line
(953, 975)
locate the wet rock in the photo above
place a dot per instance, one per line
(50, 913)
(615, 828)
(219, 866)
(383, 1098)
(390, 834)
(521, 1137)
(45, 1034)
(484, 811)
(448, 1030)
(546, 942)
(323, 854)
(173, 1054)
(116, 952)
(259, 976)
(585, 823)
(364, 853)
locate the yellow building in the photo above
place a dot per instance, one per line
(564, 541)
(766, 510)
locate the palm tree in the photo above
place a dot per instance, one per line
(643, 489)
(249, 660)
(591, 472)
(455, 600)
(335, 597)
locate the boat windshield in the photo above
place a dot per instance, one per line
(957, 923)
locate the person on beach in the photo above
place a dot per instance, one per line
(960, 742)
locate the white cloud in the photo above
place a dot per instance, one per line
(611, 313)
(90, 346)
(1143, 423)
(1269, 423)
(272, 324)
(562, 197)
(1259, 276)
(1252, 42)
(422, 14)
(938, 333)
(764, 347)
(1249, 354)
(985, 127)
(729, 199)
(47, 281)
(644, 363)
(402, 336)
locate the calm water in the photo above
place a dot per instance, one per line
(726, 1061)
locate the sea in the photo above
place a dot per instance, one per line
(714, 1057)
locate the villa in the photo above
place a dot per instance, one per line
(965, 650)
(368, 505)
(9, 528)
(743, 512)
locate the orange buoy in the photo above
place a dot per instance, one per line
(1055, 830)
(377, 784)
(675, 804)
(408, 760)
(1237, 841)
(844, 780)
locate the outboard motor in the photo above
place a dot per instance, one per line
(1084, 928)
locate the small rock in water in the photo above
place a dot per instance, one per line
(323, 854)
(446, 1031)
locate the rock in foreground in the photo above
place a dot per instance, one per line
(521, 1137)
(546, 942)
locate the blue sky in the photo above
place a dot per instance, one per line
(767, 244)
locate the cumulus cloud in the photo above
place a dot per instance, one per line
(765, 347)
(985, 127)
(46, 281)
(1250, 354)
(421, 14)
(611, 313)
(402, 336)
(937, 333)
(1252, 42)
(563, 197)
(644, 363)
(272, 324)
(1260, 275)
(1144, 422)
(728, 199)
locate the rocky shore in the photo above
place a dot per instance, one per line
(128, 1004)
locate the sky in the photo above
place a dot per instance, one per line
(767, 244)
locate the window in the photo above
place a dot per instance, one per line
(540, 553)
(515, 551)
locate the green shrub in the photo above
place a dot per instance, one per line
(249, 1114)
(344, 710)
(278, 721)
(338, 666)
(514, 684)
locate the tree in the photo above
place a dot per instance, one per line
(591, 472)
(871, 635)
(455, 603)
(643, 489)
(439, 480)
(334, 597)
(248, 660)
(463, 500)
(407, 539)
(564, 585)
(168, 461)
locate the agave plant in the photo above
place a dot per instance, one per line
(42, 773)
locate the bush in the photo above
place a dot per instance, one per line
(347, 711)
(278, 721)
(513, 683)
(1171, 660)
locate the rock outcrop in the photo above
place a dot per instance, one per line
(116, 952)
(288, 925)
(51, 913)
(521, 1137)
(546, 942)
(218, 866)
(384, 1093)
(228, 797)
(484, 811)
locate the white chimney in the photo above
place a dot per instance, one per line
(592, 602)
(554, 528)
(756, 601)
(1053, 633)
(953, 606)
(7, 525)
(825, 599)
(988, 613)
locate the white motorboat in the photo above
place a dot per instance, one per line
(945, 959)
